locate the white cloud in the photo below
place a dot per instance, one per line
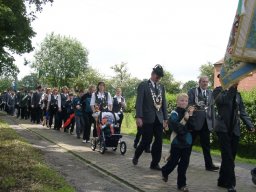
(181, 35)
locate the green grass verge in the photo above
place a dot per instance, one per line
(246, 154)
(22, 166)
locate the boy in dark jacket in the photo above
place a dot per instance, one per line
(180, 122)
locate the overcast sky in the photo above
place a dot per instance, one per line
(181, 35)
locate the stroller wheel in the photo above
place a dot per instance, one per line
(123, 147)
(93, 144)
(102, 147)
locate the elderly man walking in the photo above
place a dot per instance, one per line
(200, 97)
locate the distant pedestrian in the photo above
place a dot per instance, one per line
(77, 105)
(119, 105)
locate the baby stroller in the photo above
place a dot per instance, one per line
(108, 132)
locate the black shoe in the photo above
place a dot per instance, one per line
(223, 185)
(78, 137)
(135, 161)
(231, 189)
(164, 177)
(156, 167)
(212, 168)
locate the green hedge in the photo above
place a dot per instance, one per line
(249, 99)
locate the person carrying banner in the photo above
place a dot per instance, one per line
(230, 109)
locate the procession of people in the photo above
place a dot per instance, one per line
(194, 116)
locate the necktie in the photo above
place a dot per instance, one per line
(204, 93)
(156, 90)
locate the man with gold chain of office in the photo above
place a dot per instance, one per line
(151, 116)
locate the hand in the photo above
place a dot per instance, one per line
(186, 116)
(252, 130)
(191, 109)
(139, 122)
(59, 109)
(78, 107)
(32, 106)
(165, 125)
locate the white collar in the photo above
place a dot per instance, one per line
(202, 90)
(152, 82)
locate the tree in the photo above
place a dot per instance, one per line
(59, 60)
(16, 31)
(208, 70)
(5, 83)
(171, 86)
(123, 80)
(122, 74)
(87, 78)
(188, 85)
(29, 82)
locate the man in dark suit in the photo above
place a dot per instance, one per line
(151, 116)
(230, 109)
(200, 97)
(36, 105)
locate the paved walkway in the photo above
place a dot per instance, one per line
(140, 177)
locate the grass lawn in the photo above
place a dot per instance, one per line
(22, 166)
(244, 155)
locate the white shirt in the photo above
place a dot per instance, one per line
(55, 97)
(119, 99)
(101, 95)
(203, 91)
(153, 83)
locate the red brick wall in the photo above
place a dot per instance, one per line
(246, 84)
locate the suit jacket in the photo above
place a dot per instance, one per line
(201, 115)
(36, 98)
(230, 109)
(145, 108)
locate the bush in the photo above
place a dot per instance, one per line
(247, 140)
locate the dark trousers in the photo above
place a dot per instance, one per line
(71, 125)
(18, 108)
(121, 116)
(137, 138)
(62, 117)
(36, 114)
(148, 131)
(53, 114)
(204, 135)
(138, 135)
(180, 157)
(89, 120)
(79, 125)
(228, 145)
(23, 113)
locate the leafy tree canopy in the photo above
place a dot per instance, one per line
(16, 31)
(188, 85)
(59, 60)
(207, 70)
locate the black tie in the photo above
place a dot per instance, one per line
(204, 93)
(156, 90)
